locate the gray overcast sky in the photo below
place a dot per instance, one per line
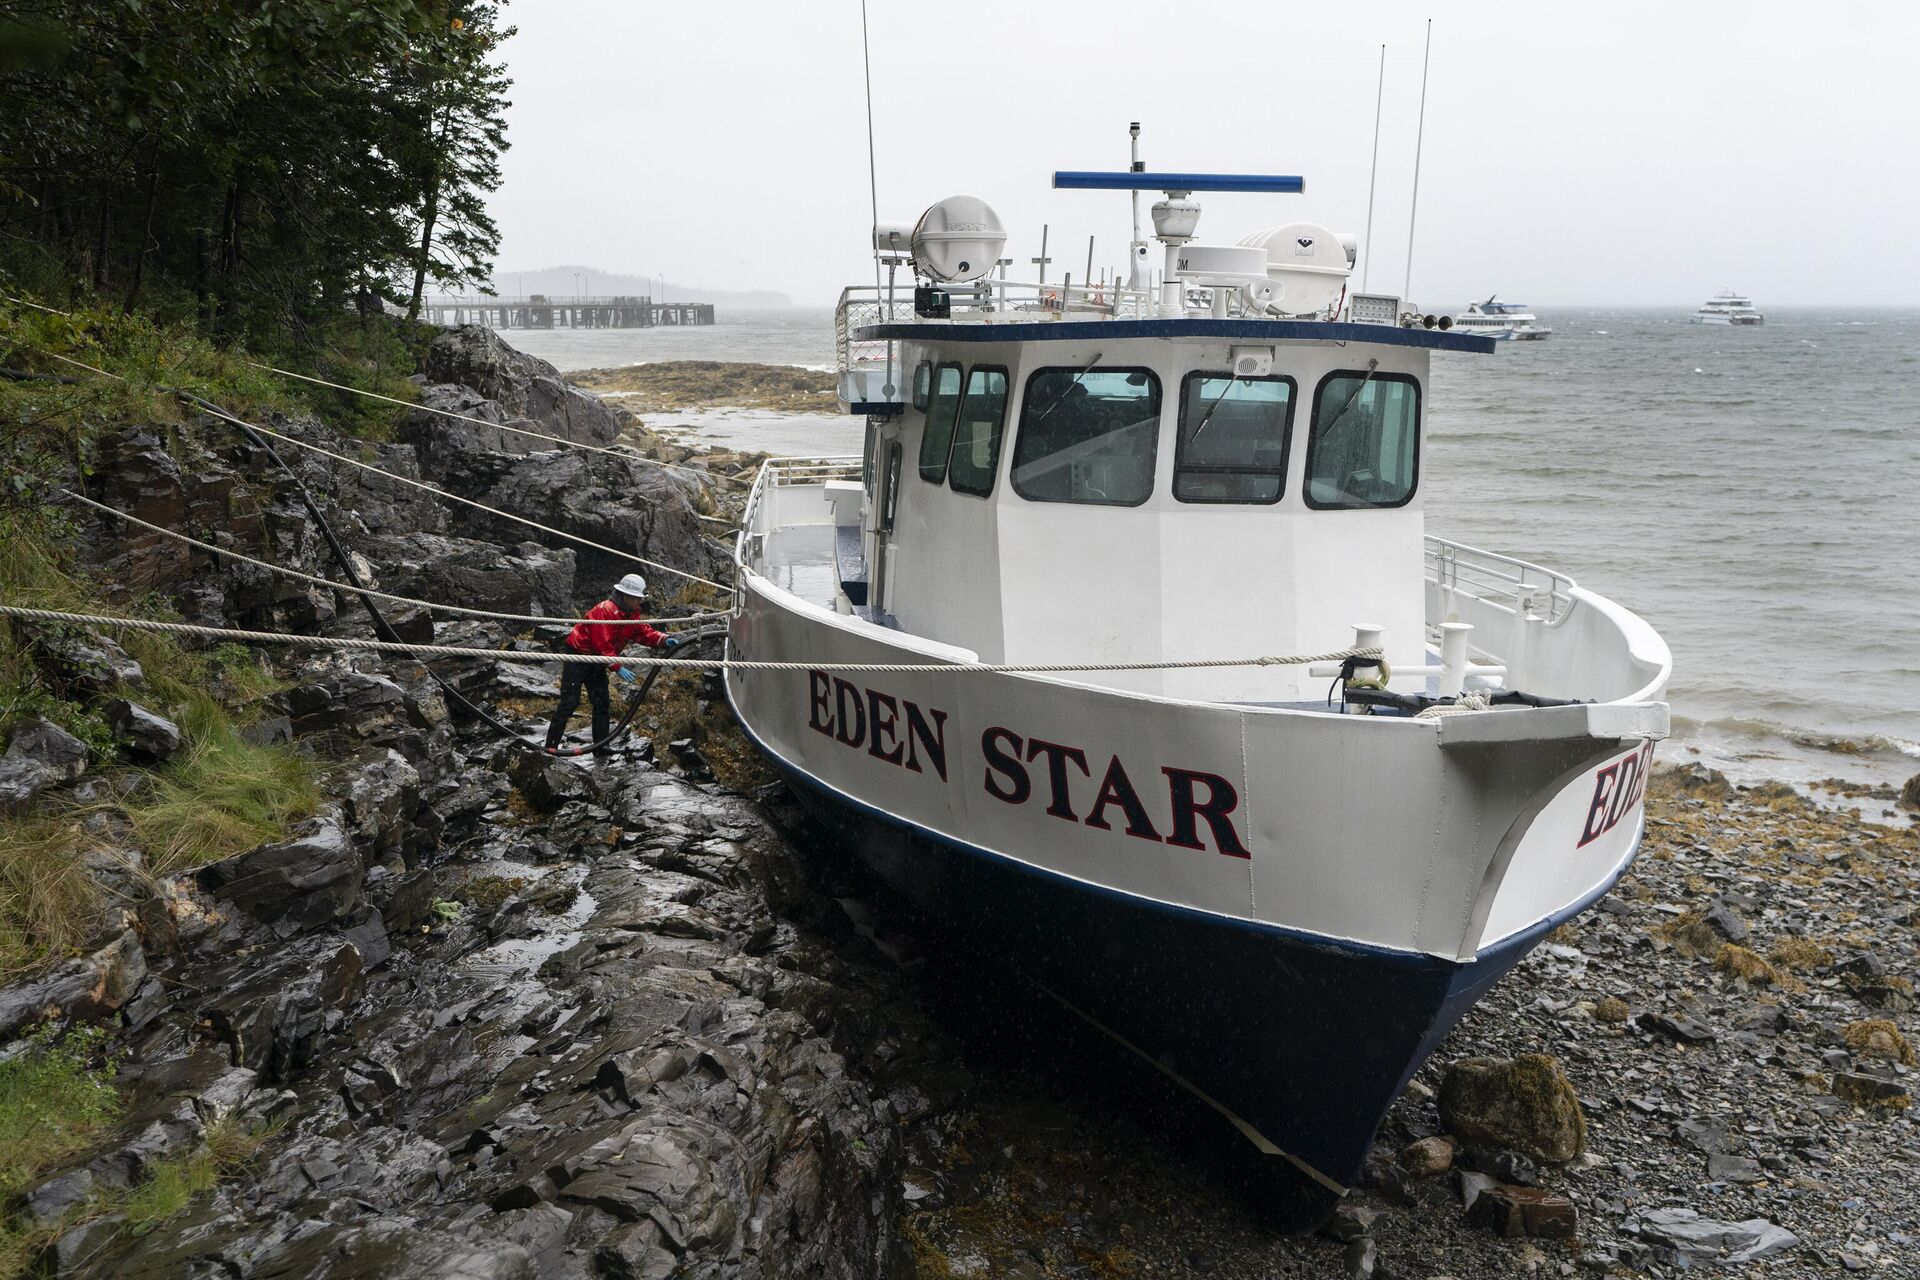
(1622, 153)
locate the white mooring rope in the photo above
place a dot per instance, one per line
(628, 454)
(698, 664)
(348, 587)
(205, 407)
(1478, 700)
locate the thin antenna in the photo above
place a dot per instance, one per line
(873, 183)
(1418, 142)
(1379, 96)
(1136, 248)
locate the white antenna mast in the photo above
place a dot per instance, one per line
(1136, 251)
(1419, 141)
(1366, 246)
(873, 184)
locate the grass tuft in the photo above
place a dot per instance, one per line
(219, 795)
(1738, 962)
(48, 901)
(1879, 1038)
(1800, 954)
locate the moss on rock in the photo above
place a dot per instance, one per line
(1879, 1038)
(1523, 1104)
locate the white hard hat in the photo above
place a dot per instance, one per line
(632, 585)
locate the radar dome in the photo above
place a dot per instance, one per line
(958, 240)
(1308, 262)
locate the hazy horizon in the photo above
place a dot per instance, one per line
(1651, 155)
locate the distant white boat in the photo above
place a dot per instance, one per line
(1508, 321)
(1727, 307)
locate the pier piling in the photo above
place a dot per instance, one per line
(539, 311)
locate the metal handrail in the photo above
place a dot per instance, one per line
(1498, 579)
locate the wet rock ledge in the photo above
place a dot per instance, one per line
(617, 1055)
(485, 1014)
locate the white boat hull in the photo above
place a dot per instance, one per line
(1345, 863)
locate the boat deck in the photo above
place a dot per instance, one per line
(804, 559)
(819, 563)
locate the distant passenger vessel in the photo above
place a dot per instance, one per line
(1728, 308)
(1508, 321)
(1123, 648)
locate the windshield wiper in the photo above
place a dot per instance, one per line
(1207, 417)
(1342, 411)
(1054, 403)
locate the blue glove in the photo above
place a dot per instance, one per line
(671, 642)
(626, 673)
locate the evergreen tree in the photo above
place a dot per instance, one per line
(262, 166)
(462, 104)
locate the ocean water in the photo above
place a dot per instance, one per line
(1754, 493)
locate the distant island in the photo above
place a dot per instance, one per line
(568, 280)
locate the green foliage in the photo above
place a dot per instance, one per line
(49, 423)
(257, 169)
(54, 1097)
(460, 94)
(217, 796)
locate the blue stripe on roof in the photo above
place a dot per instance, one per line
(1092, 180)
(1238, 330)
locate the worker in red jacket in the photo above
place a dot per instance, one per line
(615, 625)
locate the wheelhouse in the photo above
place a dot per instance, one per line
(1043, 495)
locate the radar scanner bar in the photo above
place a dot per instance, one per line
(1092, 180)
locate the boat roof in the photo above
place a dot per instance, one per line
(1188, 327)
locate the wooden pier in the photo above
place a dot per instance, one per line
(542, 312)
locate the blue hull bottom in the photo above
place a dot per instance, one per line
(1301, 1045)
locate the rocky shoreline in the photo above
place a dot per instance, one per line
(489, 1014)
(700, 384)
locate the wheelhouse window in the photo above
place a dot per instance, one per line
(936, 438)
(976, 440)
(922, 382)
(1233, 440)
(1088, 436)
(1364, 450)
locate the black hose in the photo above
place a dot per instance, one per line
(639, 696)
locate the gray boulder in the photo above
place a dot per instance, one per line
(148, 736)
(85, 988)
(295, 886)
(21, 780)
(623, 503)
(86, 664)
(526, 390)
(274, 1015)
(382, 797)
(59, 753)
(547, 782)
(476, 575)
(1709, 1240)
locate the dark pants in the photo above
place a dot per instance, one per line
(575, 676)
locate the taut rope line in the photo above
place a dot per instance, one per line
(628, 454)
(704, 664)
(317, 580)
(207, 406)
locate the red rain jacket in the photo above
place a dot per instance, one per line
(610, 632)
